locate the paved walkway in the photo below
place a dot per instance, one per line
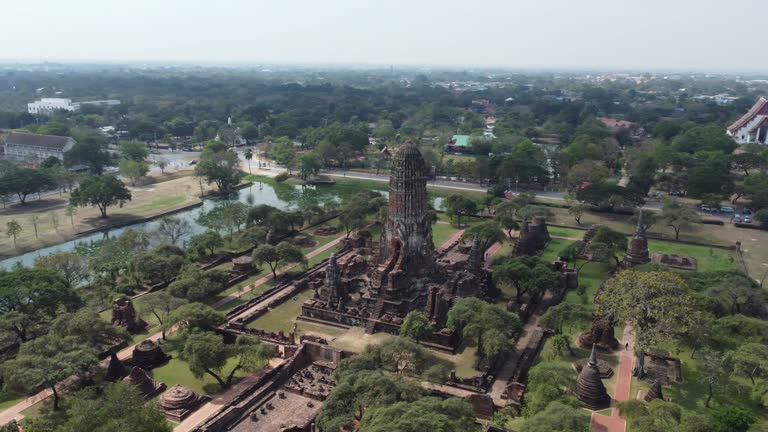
(491, 252)
(454, 238)
(615, 423)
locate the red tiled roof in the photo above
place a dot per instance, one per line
(761, 105)
(614, 123)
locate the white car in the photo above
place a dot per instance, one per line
(727, 209)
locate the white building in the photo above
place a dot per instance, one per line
(31, 147)
(49, 105)
(752, 127)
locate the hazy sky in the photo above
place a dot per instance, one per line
(650, 34)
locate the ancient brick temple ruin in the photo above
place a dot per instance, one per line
(375, 284)
(637, 252)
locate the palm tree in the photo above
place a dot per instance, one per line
(248, 156)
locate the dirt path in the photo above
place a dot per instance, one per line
(615, 423)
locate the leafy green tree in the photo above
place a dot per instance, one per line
(13, 229)
(26, 181)
(284, 152)
(750, 360)
(118, 407)
(483, 321)
(556, 316)
(275, 256)
(712, 371)
(133, 170)
(576, 209)
(161, 163)
(457, 205)
(710, 137)
(133, 151)
(561, 343)
(194, 284)
(416, 326)
(429, 413)
(611, 242)
(219, 165)
(486, 233)
(558, 417)
(206, 353)
(45, 361)
(748, 161)
(731, 419)
(526, 274)
(29, 298)
(309, 166)
(548, 382)
(71, 211)
(88, 152)
(154, 268)
(160, 304)
(193, 317)
(762, 217)
(679, 217)
(248, 155)
(72, 266)
(102, 192)
(657, 416)
(610, 196)
(89, 328)
(205, 242)
(658, 303)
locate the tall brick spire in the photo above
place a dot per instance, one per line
(408, 213)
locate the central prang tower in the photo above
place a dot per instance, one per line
(406, 246)
(408, 212)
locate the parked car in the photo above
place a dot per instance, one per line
(747, 219)
(727, 209)
(746, 211)
(737, 218)
(707, 208)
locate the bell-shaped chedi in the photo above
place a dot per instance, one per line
(637, 252)
(179, 401)
(589, 387)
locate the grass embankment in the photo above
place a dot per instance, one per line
(54, 226)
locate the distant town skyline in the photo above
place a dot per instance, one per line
(684, 35)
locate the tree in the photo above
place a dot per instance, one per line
(133, 170)
(561, 343)
(192, 317)
(72, 266)
(134, 151)
(205, 242)
(102, 192)
(26, 181)
(610, 196)
(748, 161)
(425, 414)
(576, 209)
(35, 219)
(154, 268)
(762, 217)
(89, 328)
(219, 165)
(309, 166)
(649, 218)
(750, 360)
(416, 326)
(54, 220)
(678, 217)
(571, 313)
(558, 417)
(160, 304)
(526, 274)
(119, 407)
(486, 233)
(46, 361)
(206, 353)
(477, 319)
(174, 228)
(275, 256)
(88, 152)
(248, 155)
(658, 303)
(457, 205)
(194, 284)
(731, 419)
(31, 297)
(284, 152)
(710, 137)
(71, 211)
(612, 242)
(13, 229)
(548, 382)
(162, 163)
(712, 371)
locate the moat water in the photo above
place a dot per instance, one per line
(282, 196)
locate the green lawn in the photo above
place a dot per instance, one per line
(441, 233)
(160, 203)
(283, 316)
(8, 399)
(708, 259)
(565, 232)
(176, 371)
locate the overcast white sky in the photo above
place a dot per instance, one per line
(651, 34)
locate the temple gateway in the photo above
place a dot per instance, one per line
(374, 284)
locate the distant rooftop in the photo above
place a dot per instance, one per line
(37, 140)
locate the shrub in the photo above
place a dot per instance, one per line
(283, 176)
